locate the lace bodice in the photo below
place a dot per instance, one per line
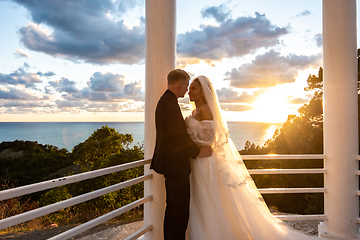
(201, 132)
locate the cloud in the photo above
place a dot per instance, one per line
(21, 53)
(90, 31)
(220, 13)
(93, 32)
(235, 107)
(304, 13)
(319, 39)
(27, 104)
(298, 100)
(125, 5)
(67, 105)
(232, 38)
(12, 93)
(271, 69)
(109, 87)
(107, 82)
(47, 74)
(64, 85)
(106, 92)
(185, 100)
(102, 87)
(185, 107)
(133, 89)
(104, 107)
(21, 77)
(228, 95)
(114, 107)
(84, 105)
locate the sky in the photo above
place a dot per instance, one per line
(84, 60)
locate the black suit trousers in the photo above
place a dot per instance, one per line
(177, 207)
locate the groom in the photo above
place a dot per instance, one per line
(172, 153)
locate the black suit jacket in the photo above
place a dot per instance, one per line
(173, 144)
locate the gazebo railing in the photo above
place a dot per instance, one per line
(23, 217)
(36, 187)
(289, 171)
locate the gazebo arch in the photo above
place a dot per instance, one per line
(340, 111)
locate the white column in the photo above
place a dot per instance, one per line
(160, 59)
(340, 118)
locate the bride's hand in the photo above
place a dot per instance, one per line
(205, 151)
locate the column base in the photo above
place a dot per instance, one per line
(323, 234)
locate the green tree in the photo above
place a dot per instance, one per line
(104, 148)
(302, 133)
(29, 162)
(97, 151)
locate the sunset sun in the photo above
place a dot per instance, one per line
(272, 107)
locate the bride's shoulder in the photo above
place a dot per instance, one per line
(206, 113)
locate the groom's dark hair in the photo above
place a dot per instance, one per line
(177, 75)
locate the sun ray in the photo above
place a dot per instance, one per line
(272, 107)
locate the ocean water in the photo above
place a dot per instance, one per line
(69, 134)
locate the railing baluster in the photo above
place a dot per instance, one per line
(36, 187)
(301, 217)
(287, 171)
(23, 217)
(291, 190)
(284, 157)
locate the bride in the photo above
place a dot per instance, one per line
(225, 203)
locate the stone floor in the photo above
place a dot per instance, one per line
(117, 233)
(123, 231)
(113, 231)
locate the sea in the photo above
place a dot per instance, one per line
(69, 134)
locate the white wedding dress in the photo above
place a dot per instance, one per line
(225, 203)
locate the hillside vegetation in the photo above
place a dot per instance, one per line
(24, 162)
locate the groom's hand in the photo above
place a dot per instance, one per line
(205, 151)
